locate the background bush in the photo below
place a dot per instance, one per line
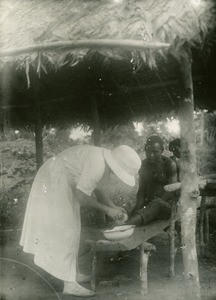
(19, 165)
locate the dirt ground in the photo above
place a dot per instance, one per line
(118, 275)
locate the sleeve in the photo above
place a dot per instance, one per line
(92, 173)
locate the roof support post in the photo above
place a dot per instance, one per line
(5, 113)
(188, 175)
(96, 121)
(35, 94)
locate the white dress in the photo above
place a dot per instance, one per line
(51, 229)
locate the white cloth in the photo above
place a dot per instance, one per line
(51, 229)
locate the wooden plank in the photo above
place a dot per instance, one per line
(140, 235)
(204, 184)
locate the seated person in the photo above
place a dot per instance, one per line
(156, 171)
(174, 147)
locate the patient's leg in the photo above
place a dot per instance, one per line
(157, 209)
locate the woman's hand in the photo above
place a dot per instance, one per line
(122, 210)
(115, 212)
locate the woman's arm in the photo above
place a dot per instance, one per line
(113, 212)
(103, 199)
(172, 172)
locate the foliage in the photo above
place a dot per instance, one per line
(210, 127)
(18, 168)
(12, 207)
(120, 134)
(17, 174)
(206, 159)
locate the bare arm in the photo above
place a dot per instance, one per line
(141, 194)
(172, 172)
(103, 199)
(172, 178)
(113, 212)
(107, 201)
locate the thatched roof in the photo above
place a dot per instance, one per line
(29, 26)
(85, 33)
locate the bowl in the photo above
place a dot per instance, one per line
(119, 232)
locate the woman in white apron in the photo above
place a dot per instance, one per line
(51, 229)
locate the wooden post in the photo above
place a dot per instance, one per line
(35, 92)
(96, 121)
(144, 255)
(5, 113)
(188, 176)
(173, 248)
(94, 266)
(206, 219)
(202, 127)
(96, 135)
(101, 218)
(201, 227)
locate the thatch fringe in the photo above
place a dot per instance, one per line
(35, 22)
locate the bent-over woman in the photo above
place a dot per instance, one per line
(52, 225)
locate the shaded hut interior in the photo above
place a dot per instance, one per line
(121, 90)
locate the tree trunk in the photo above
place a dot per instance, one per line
(188, 176)
(38, 122)
(5, 113)
(201, 227)
(95, 121)
(202, 127)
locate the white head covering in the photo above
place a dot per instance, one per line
(124, 162)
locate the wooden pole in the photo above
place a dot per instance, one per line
(173, 248)
(206, 220)
(144, 255)
(1, 111)
(85, 44)
(5, 113)
(188, 176)
(96, 135)
(202, 127)
(101, 217)
(95, 121)
(35, 92)
(201, 227)
(94, 270)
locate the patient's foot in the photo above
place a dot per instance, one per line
(135, 219)
(73, 288)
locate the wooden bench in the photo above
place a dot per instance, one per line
(136, 241)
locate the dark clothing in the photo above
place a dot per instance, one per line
(157, 209)
(152, 178)
(151, 194)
